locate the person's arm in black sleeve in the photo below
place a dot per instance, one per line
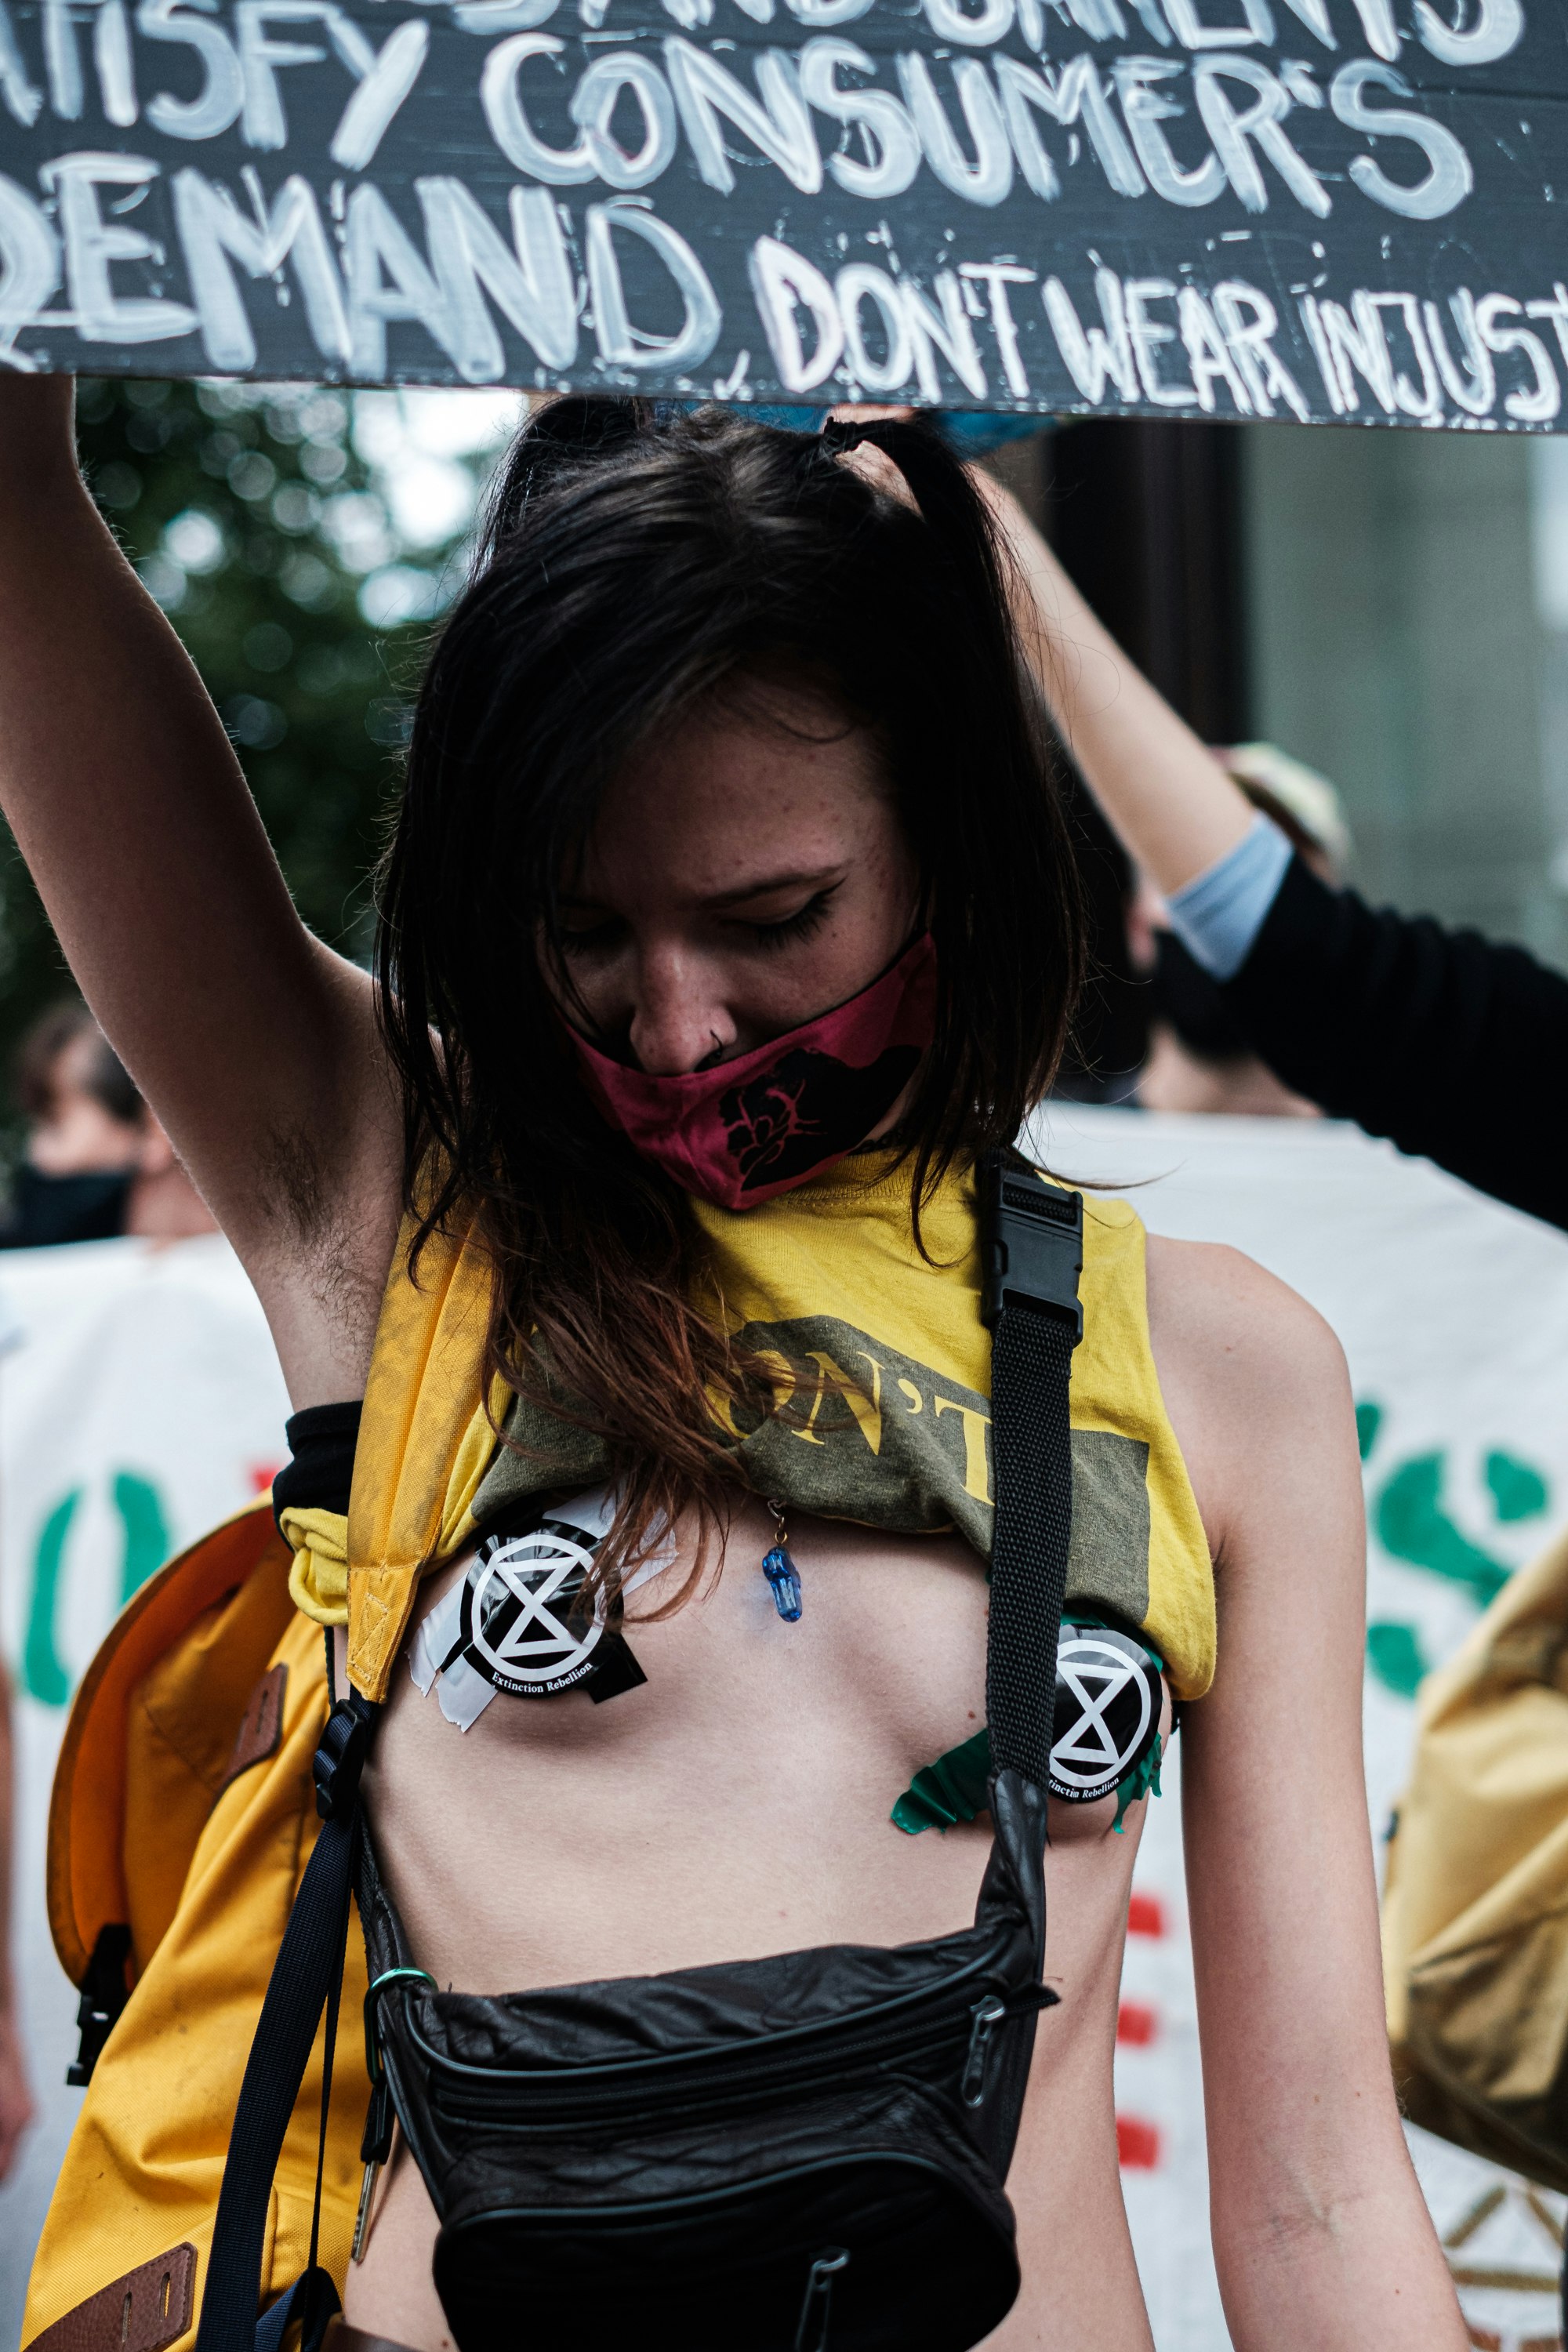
(1452, 1046)
(1448, 1044)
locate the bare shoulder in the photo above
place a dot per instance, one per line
(1227, 1318)
(1250, 1374)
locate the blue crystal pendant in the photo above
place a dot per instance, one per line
(781, 1573)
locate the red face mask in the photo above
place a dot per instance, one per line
(771, 1119)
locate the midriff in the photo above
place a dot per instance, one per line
(737, 1804)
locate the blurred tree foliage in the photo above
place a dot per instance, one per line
(257, 524)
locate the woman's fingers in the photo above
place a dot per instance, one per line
(849, 412)
(875, 466)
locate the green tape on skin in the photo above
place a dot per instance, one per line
(1143, 1780)
(955, 1788)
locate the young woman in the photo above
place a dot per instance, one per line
(721, 762)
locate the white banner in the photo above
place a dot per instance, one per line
(1454, 1315)
(139, 1401)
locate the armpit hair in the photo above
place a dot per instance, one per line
(312, 1219)
(291, 1188)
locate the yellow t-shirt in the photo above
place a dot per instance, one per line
(882, 1409)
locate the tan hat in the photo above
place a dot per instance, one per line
(1287, 788)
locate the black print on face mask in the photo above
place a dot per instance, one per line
(807, 1107)
(522, 1627)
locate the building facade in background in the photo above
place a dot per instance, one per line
(1406, 617)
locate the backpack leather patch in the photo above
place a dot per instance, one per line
(150, 2307)
(260, 1726)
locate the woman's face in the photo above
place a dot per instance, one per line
(747, 872)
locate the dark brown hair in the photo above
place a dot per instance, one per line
(633, 566)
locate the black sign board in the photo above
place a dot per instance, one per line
(1324, 209)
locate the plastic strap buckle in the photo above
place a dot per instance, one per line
(1032, 1253)
(104, 1993)
(339, 1759)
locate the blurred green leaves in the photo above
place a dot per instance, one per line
(265, 521)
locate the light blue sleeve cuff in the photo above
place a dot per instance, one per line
(1217, 917)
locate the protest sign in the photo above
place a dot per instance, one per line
(1297, 208)
(140, 1403)
(1453, 1314)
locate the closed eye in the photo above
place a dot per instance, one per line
(591, 938)
(801, 925)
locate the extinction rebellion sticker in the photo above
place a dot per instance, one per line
(517, 1623)
(1107, 1712)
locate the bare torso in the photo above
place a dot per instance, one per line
(738, 1804)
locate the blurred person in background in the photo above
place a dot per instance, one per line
(15, 2098)
(1200, 1059)
(98, 1163)
(1448, 1044)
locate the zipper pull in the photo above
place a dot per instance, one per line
(987, 2015)
(816, 2311)
(375, 2147)
(361, 2218)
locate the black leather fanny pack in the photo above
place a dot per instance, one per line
(739, 2154)
(804, 2153)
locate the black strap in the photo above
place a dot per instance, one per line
(306, 1978)
(1031, 1360)
(319, 1473)
(1032, 1247)
(312, 2300)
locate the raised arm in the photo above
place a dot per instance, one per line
(1162, 791)
(1321, 2236)
(1387, 1019)
(256, 1046)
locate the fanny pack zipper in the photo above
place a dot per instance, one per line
(727, 2079)
(717, 2079)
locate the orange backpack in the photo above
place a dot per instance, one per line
(181, 1820)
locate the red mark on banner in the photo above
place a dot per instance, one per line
(1136, 2023)
(1146, 1916)
(1137, 2144)
(261, 1474)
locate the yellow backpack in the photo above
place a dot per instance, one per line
(184, 1815)
(181, 1820)
(1476, 1903)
